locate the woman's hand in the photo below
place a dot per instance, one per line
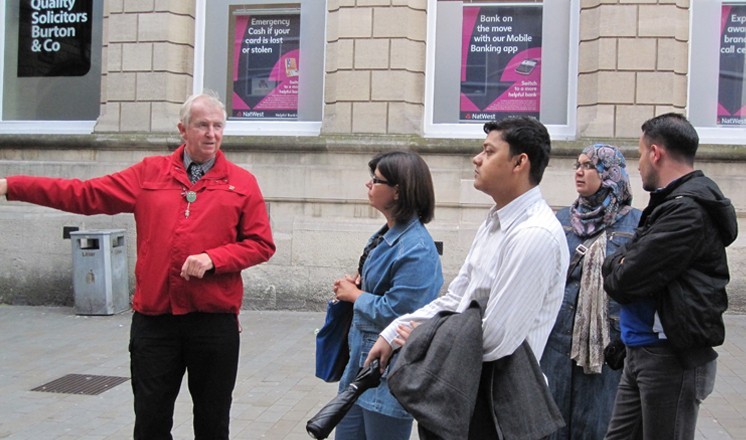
(345, 289)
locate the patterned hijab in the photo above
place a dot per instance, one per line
(590, 215)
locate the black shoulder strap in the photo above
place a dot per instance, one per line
(580, 251)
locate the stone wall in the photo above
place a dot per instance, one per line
(633, 64)
(375, 66)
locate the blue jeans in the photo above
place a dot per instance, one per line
(657, 397)
(361, 424)
(162, 348)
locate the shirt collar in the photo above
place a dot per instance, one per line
(205, 166)
(508, 214)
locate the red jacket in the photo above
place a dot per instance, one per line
(228, 220)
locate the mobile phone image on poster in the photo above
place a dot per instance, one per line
(731, 103)
(500, 62)
(265, 65)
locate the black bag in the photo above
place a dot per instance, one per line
(332, 351)
(614, 354)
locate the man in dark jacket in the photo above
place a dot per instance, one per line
(670, 280)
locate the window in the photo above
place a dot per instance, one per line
(489, 60)
(266, 60)
(717, 97)
(50, 66)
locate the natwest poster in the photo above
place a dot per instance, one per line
(500, 62)
(266, 53)
(731, 103)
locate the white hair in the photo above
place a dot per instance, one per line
(210, 95)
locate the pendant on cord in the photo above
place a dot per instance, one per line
(191, 197)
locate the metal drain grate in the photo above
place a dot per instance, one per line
(81, 384)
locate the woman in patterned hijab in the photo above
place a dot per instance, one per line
(593, 212)
(599, 221)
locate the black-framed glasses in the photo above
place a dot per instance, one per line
(586, 166)
(375, 180)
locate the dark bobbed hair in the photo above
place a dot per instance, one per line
(410, 173)
(525, 135)
(675, 133)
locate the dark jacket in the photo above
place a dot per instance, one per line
(678, 258)
(437, 375)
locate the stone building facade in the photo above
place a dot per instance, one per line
(629, 60)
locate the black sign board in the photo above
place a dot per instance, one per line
(54, 37)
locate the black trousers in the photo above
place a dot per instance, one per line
(483, 424)
(162, 348)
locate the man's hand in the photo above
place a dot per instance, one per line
(3, 187)
(196, 266)
(382, 351)
(403, 331)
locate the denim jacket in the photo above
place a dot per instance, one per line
(400, 275)
(617, 235)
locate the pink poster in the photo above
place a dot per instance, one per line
(266, 52)
(731, 104)
(500, 62)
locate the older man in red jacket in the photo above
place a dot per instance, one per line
(200, 220)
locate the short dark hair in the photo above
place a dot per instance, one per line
(675, 133)
(525, 135)
(410, 173)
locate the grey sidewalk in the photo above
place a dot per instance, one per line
(275, 394)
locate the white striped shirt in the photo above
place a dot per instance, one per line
(519, 257)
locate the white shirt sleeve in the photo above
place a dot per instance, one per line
(524, 298)
(449, 301)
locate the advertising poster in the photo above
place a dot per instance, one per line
(500, 62)
(266, 68)
(54, 38)
(731, 103)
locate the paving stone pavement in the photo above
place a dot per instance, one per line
(276, 392)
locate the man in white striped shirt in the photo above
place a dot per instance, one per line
(519, 255)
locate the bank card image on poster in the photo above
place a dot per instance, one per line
(731, 92)
(265, 66)
(500, 62)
